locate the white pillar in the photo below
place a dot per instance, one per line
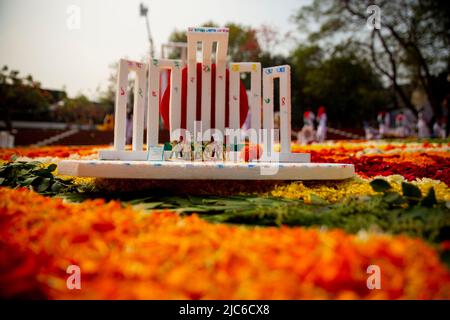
(120, 112)
(120, 117)
(284, 74)
(206, 87)
(255, 95)
(153, 99)
(191, 107)
(138, 107)
(206, 36)
(221, 67)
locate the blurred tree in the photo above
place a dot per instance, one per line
(81, 110)
(20, 95)
(411, 44)
(243, 44)
(269, 37)
(342, 82)
(108, 95)
(304, 59)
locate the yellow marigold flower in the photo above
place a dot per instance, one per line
(330, 191)
(337, 191)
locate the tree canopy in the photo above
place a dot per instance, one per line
(410, 44)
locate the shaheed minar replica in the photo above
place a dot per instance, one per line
(197, 150)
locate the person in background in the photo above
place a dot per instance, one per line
(383, 119)
(446, 115)
(371, 133)
(129, 131)
(308, 118)
(307, 134)
(439, 130)
(422, 127)
(321, 134)
(400, 125)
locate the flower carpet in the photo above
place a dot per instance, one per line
(230, 239)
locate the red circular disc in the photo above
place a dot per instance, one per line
(164, 103)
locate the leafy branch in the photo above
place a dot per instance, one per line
(34, 175)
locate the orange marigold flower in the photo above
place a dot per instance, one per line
(128, 254)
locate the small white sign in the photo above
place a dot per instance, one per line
(155, 153)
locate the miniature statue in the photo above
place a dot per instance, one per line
(198, 151)
(213, 151)
(186, 150)
(177, 150)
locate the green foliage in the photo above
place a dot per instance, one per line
(35, 176)
(411, 194)
(20, 94)
(388, 211)
(353, 215)
(430, 199)
(82, 111)
(411, 45)
(341, 81)
(380, 185)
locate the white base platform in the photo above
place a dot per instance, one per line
(180, 170)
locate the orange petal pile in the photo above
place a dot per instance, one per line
(7, 154)
(125, 253)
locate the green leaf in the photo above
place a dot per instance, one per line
(139, 200)
(411, 191)
(43, 173)
(57, 187)
(315, 199)
(380, 185)
(27, 181)
(191, 210)
(392, 197)
(430, 199)
(52, 167)
(152, 205)
(43, 186)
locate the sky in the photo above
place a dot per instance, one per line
(45, 38)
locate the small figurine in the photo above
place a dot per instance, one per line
(186, 151)
(213, 151)
(177, 150)
(198, 151)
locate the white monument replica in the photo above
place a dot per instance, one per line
(199, 151)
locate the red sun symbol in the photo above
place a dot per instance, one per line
(164, 104)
